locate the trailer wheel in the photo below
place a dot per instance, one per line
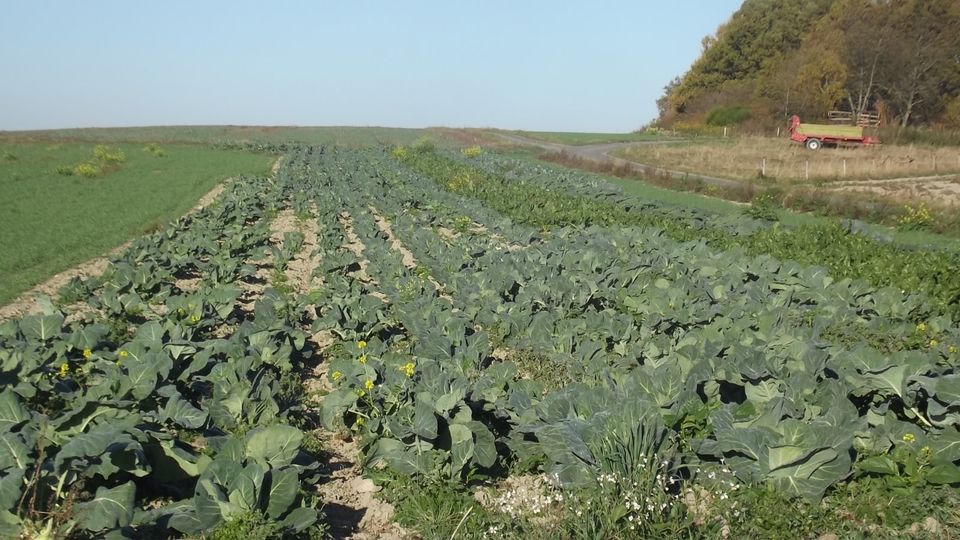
(814, 144)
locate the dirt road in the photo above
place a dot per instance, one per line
(601, 153)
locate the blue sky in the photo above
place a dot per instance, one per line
(537, 65)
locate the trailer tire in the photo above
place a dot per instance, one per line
(813, 144)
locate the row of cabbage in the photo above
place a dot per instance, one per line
(547, 196)
(160, 404)
(743, 361)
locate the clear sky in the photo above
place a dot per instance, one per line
(536, 65)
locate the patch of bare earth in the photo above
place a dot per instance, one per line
(939, 191)
(252, 287)
(351, 505)
(499, 242)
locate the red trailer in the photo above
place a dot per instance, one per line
(813, 136)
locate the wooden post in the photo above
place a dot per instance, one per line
(778, 131)
(724, 132)
(763, 168)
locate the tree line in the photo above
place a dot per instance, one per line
(775, 58)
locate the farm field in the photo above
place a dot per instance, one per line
(415, 341)
(578, 138)
(344, 136)
(51, 221)
(787, 162)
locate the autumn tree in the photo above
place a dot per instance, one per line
(920, 57)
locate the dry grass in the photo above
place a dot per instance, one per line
(790, 163)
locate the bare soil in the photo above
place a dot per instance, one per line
(934, 191)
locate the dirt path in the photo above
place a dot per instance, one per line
(300, 269)
(601, 153)
(351, 505)
(407, 256)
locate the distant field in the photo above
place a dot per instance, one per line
(344, 136)
(791, 163)
(50, 222)
(588, 138)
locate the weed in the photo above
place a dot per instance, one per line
(764, 207)
(86, 170)
(472, 151)
(424, 145)
(103, 155)
(462, 224)
(9, 156)
(247, 526)
(548, 370)
(155, 149)
(64, 170)
(915, 218)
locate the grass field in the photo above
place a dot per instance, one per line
(787, 162)
(344, 136)
(50, 222)
(577, 138)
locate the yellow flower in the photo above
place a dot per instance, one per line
(361, 344)
(952, 349)
(123, 354)
(64, 369)
(408, 369)
(368, 385)
(934, 343)
(194, 319)
(336, 375)
(362, 359)
(921, 327)
(361, 393)
(359, 422)
(909, 438)
(87, 353)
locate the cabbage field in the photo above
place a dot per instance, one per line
(511, 350)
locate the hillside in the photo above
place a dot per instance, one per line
(775, 58)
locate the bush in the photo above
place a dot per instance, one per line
(64, 170)
(9, 156)
(728, 116)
